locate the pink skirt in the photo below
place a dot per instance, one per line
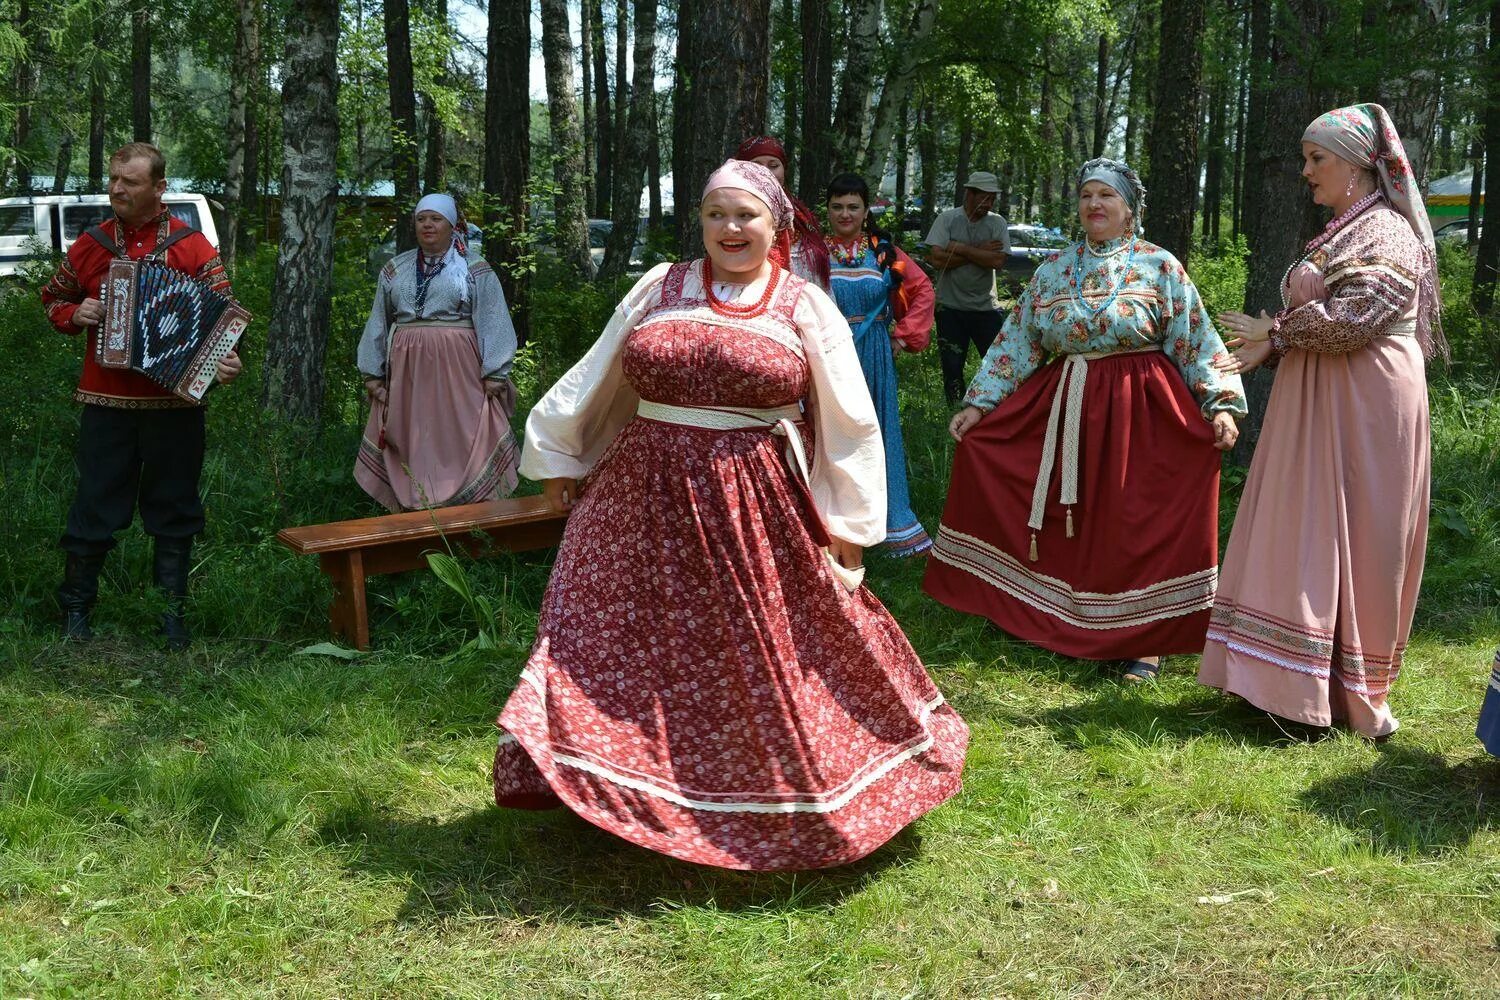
(439, 440)
(1320, 580)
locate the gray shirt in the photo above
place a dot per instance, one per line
(396, 303)
(966, 286)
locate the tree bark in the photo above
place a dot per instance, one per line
(434, 175)
(817, 98)
(852, 116)
(405, 163)
(622, 85)
(98, 101)
(64, 164)
(791, 97)
(903, 154)
(590, 126)
(654, 219)
(719, 98)
(927, 149)
(1174, 128)
(1487, 261)
(1101, 83)
(603, 139)
(140, 70)
(965, 152)
(1242, 100)
(569, 209)
(298, 333)
(1213, 183)
(1050, 209)
(507, 152)
(1476, 192)
(242, 77)
(635, 149)
(898, 81)
(24, 74)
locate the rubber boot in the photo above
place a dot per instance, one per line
(76, 596)
(170, 564)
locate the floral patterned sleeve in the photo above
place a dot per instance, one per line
(1371, 279)
(1192, 344)
(1014, 356)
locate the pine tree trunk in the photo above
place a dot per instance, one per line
(242, 78)
(23, 97)
(635, 149)
(507, 151)
(852, 117)
(1476, 192)
(719, 97)
(64, 165)
(622, 85)
(927, 149)
(434, 176)
(298, 333)
(1101, 84)
(590, 126)
(817, 98)
(903, 153)
(405, 162)
(1487, 261)
(791, 95)
(98, 102)
(140, 70)
(654, 220)
(1279, 217)
(603, 139)
(898, 81)
(1242, 100)
(1173, 179)
(570, 218)
(1213, 184)
(965, 152)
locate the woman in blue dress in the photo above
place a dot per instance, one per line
(1489, 716)
(889, 304)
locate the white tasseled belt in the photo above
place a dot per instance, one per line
(1070, 412)
(779, 420)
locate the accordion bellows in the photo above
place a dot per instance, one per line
(166, 325)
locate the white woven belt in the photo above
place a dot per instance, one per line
(1405, 327)
(1074, 376)
(779, 420)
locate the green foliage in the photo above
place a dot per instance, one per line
(1220, 273)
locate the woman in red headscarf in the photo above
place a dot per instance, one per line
(809, 251)
(709, 679)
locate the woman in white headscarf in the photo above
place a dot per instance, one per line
(1323, 567)
(436, 356)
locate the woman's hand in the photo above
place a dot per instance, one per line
(1251, 328)
(896, 347)
(963, 420)
(1226, 432)
(495, 386)
(849, 555)
(561, 494)
(1246, 358)
(375, 390)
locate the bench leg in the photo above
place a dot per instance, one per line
(348, 615)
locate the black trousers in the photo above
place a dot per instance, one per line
(956, 330)
(129, 458)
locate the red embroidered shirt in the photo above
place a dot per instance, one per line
(81, 276)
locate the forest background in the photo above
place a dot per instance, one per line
(274, 815)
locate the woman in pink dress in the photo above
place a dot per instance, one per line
(1320, 579)
(709, 679)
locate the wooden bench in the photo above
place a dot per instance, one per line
(349, 551)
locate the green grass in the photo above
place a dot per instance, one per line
(249, 821)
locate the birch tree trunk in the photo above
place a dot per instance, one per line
(913, 43)
(635, 147)
(403, 100)
(603, 139)
(140, 70)
(719, 96)
(242, 77)
(851, 118)
(507, 152)
(570, 220)
(298, 333)
(1173, 180)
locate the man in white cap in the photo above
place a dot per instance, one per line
(966, 246)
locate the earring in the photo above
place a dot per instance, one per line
(1349, 191)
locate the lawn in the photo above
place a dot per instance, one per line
(255, 818)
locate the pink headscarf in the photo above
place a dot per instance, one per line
(1363, 135)
(743, 175)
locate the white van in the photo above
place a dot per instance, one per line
(43, 222)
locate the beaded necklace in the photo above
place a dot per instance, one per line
(733, 309)
(424, 276)
(847, 255)
(1075, 281)
(1328, 233)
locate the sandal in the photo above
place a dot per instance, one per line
(1139, 671)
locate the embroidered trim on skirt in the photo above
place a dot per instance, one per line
(1135, 574)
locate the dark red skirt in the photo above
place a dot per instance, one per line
(1137, 578)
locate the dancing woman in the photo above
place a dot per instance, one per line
(1323, 566)
(1083, 511)
(704, 681)
(888, 302)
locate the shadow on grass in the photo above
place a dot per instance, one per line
(1411, 801)
(556, 866)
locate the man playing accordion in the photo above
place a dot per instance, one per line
(139, 444)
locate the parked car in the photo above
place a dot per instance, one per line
(1029, 246)
(599, 230)
(1456, 232)
(33, 224)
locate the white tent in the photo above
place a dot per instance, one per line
(1447, 198)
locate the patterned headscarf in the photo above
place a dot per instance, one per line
(1118, 175)
(804, 222)
(455, 262)
(743, 175)
(1363, 135)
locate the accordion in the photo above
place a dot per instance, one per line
(166, 325)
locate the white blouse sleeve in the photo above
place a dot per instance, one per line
(571, 425)
(848, 467)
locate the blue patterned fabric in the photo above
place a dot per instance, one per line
(862, 291)
(1489, 715)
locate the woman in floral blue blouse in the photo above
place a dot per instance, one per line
(1082, 515)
